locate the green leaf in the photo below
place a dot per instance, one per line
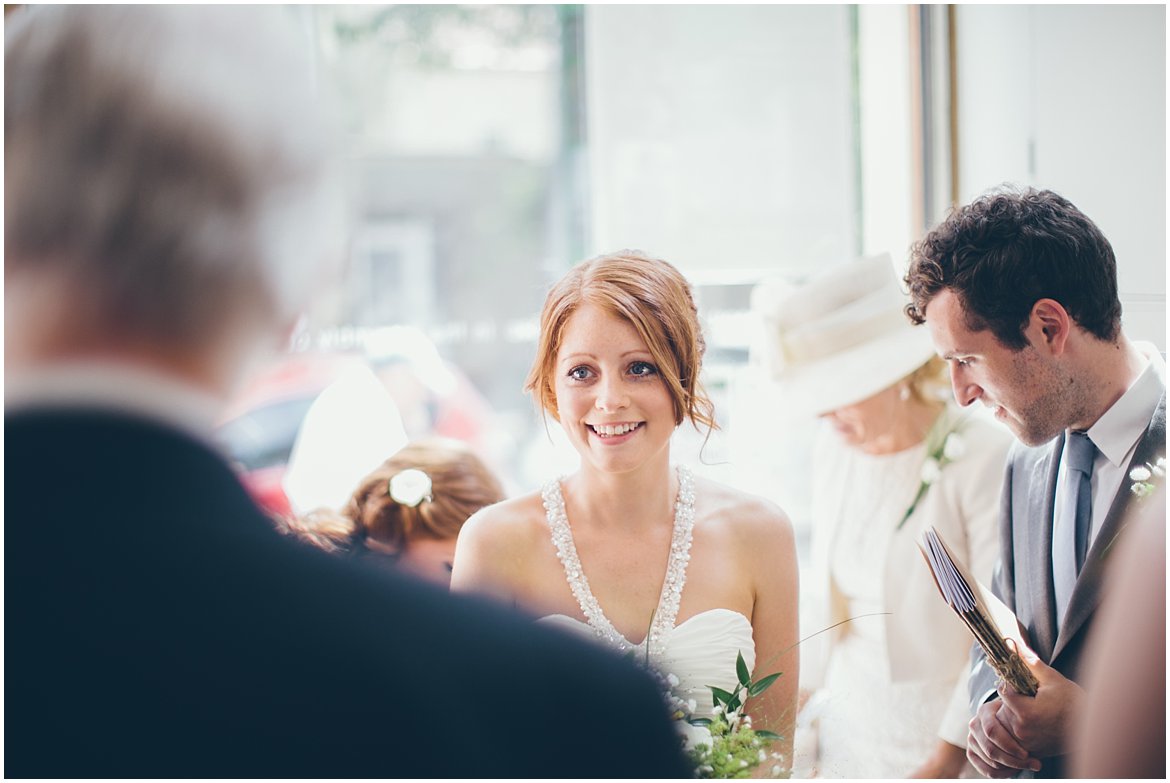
(767, 735)
(741, 669)
(762, 685)
(720, 696)
(699, 721)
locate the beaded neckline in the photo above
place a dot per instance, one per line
(672, 585)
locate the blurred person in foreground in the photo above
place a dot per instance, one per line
(891, 459)
(409, 510)
(166, 209)
(1019, 292)
(1122, 732)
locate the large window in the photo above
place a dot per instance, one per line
(464, 134)
(494, 146)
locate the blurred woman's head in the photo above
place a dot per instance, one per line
(656, 300)
(410, 508)
(840, 347)
(893, 417)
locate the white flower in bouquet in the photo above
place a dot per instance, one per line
(694, 736)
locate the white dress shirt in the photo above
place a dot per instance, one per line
(1116, 435)
(121, 387)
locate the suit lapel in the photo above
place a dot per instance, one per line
(1086, 594)
(1038, 548)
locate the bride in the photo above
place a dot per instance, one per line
(628, 549)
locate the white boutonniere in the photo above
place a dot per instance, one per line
(1143, 475)
(1143, 486)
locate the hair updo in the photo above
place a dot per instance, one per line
(461, 484)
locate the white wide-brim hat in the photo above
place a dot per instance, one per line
(840, 338)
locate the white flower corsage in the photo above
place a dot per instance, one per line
(1141, 477)
(950, 449)
(410, 487)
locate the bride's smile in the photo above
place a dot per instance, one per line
(613, 432)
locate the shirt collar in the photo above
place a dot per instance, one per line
(1120, 427)
(124, 388)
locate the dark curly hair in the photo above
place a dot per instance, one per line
(1006, 250)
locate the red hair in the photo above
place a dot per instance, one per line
(656, 300)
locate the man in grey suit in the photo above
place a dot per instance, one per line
(1019, 291)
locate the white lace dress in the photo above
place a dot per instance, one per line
(700, 651)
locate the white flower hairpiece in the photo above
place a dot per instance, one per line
(410, 487)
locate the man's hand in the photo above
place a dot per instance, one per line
(992, 748)
(1042, 723)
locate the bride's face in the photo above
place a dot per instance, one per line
(611, 400)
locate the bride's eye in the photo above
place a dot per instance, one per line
(643, 369)
(579, 373)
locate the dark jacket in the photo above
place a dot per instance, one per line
(157, 626)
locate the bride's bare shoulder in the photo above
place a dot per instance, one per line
(497, 545)
(741, 514)
(518, 522)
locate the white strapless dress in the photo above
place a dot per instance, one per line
(701, 651)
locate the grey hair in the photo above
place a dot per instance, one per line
(172, 161)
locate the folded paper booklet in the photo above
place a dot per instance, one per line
(988, 618)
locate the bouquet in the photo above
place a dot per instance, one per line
(723, 745)
(734, 749)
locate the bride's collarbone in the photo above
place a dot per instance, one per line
(622, 535)
(630, 570)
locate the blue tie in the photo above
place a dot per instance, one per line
(1081, 453)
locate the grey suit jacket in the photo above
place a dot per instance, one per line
(1023, 578)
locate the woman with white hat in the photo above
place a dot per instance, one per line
(894, 458)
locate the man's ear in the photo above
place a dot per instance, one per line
(1050, 325)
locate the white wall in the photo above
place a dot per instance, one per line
(719, 136)
(1073, 98)
(886, 126)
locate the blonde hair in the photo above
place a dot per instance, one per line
(656, 300)
(461, 484)
(929, 383)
